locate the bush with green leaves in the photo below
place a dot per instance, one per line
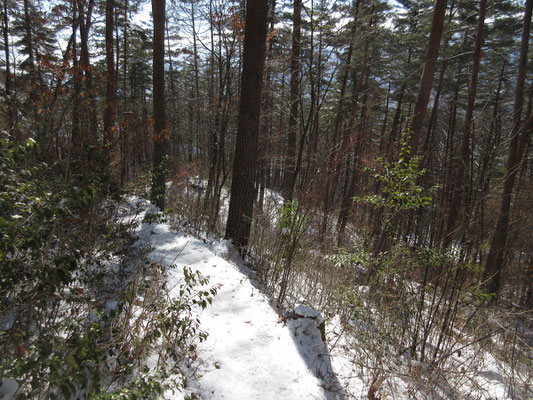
(45, 247)
(80, 306)
(154, 335)
(399, 182)
(400, 192)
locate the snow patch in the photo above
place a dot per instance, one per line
(249, 353)
(8, 388)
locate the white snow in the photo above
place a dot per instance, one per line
(306, 312)
(8, 388)
(250, 352)
(254, 353)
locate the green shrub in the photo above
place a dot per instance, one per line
(80, 306)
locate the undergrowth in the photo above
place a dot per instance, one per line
(83, 312)
(413, 321)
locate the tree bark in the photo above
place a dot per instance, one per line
(85, 26)
(332, 166)
(289, 176)
(109, 111)
(426, 80)
(75, 148)
(160, 134)
(265, 137)
(445, 193)
(5, 31)
(245, 160)
(34, 95)
(126, 115)
(465, 142)
(398, 113)
(487, 160)
(495, 258)
(353, 146)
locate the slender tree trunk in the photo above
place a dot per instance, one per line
(495, 258)
(266, 121)
(289, 176)
(5, 31)
(459, 186)
(109, 111)
(314, 116)
(489, 154)
(218, 172)
(29, 37)
(126, 115)
(426, 151)
(445, 194)
(245, 160)
(75, 147)
(331, 169)
(196, 112)
(426, 80)
(398, 113)
(279, 143)
(381, 146)
(214, 111)
(160, 133)
(175, 142)
(353, 145)
(34, 95)
(85, 26)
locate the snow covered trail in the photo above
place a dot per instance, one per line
(249, 353)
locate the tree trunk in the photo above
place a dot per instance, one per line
(314, 114)
(331, 168)
(381, 146)
(85, 26)
(353, 145)
(426, 151)
(398, 113)
(445, 193)
(278, 184)
(34, 95)
(487, 160)
(495, 258)
(459, 186)
(264, 150)
(160, 134)
(75, 148)
(245, 159)
(426, 80)
(196, 114)
(289, 176)
(109, 111)
(126, 115)
(5, 31)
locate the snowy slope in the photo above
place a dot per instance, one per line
(250, 353)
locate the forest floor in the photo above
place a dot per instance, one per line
(252, 352)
